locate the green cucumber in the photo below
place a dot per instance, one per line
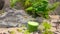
(32, 26)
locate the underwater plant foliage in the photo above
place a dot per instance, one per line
(37, 8)
(42, 8)
(46, 29)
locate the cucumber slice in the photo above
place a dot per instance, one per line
(32, 26)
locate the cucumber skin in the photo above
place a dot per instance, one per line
(32, 28)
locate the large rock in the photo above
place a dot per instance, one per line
(14, 17)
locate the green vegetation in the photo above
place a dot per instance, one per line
(46, 25)
(26, 32)
(27, 3)
(42, 8)
(37, 8)
(13, 2)
(46, 29)
(12, 32)
(32, 26)
(47, 32)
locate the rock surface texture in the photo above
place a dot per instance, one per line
(14, 17)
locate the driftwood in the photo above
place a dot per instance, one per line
(1, 4)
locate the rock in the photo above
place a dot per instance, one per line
(11, 20)
(39, 19)
(5, 33)
(15, 17)
(22, 16)
(3, 15)
(35, 33)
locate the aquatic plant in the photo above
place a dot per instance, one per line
(46, 25)
(37, 8)
(46, 29)
(41, 8)
(13, 2)
(47, 32)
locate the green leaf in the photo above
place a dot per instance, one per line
(29, 9)
(46, 16)
(41, 8)
(27, 2)
(55, 5)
